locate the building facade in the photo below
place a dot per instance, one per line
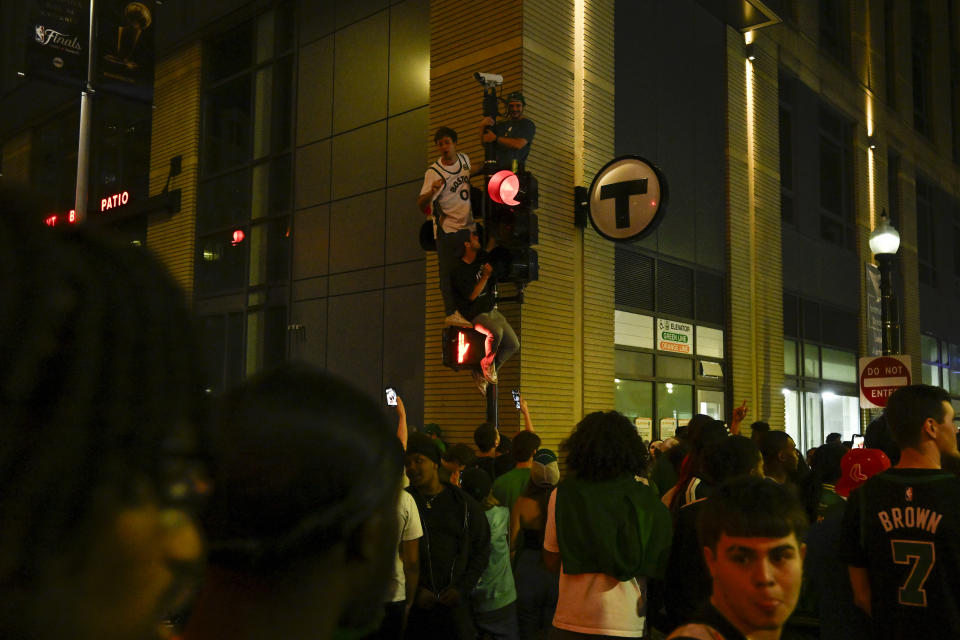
(301, 130)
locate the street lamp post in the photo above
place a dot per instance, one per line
(884, 243)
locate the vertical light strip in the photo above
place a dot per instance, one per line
(752, 221)
(578, 285)
(871, 164)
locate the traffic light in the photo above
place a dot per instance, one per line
(463, 348)
(512, 198)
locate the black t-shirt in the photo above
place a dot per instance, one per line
(464, 278)
(709, 616)
(903, 526)
(687, 584)
(522, 128)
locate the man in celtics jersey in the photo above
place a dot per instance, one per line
(445, 195)
(902, 527)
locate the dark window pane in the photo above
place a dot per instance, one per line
(831, 176)
(280, 185)
(224, 201)
(275, 336)
(230, 53)
(284, 28)
(226, 125)
(235, 354)
(786, 149)
(282, 104)
(269, 251)
(632, 365)
(831, 230)
(222, 261)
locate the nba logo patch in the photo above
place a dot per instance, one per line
(909, 494)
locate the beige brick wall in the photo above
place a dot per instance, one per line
(755, 324)
(176, 132)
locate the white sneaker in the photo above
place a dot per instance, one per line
(489, 369)
(457, 320)
(480, 382)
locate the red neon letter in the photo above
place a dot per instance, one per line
(462, 347)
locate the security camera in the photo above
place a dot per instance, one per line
(488, 79)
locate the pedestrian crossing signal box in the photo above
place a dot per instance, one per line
(463, 348)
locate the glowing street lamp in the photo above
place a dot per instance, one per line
(884, 243)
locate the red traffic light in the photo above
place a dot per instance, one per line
(503, 187)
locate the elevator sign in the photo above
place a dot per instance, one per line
(674, 336)
(627, 199)
(880, 377)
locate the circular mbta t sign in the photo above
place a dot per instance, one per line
(628, 198)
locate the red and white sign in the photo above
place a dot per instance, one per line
(880, 377)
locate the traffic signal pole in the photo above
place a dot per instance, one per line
(490, 108)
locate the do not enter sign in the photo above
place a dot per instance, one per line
(880, 377)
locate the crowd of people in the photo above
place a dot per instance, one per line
(135, 506)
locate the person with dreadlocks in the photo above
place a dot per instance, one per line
(302, 522)
(98, 434)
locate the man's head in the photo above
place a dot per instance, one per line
(833, 437)
(446, 140)
(307, 476)
(751, 531)
(99, 404)
(515, 105)
(486, 437)
(455, 459)
(732, 457)
(878, 436)
(422, 460)
(433, 430)
(525, 444)
(779, 453)
(757, 429)
(921, 417)
(859, 465)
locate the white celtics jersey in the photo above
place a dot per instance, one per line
(454, 198)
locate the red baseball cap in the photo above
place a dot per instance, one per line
(859, 465)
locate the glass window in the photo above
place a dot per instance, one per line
(224, 201)
(674, 367)
(791, 413)
(674, 401)
(790, 357)
(229, 53)
(710, 402)
(632, 364)
(929, 349)
(221, 262)
(841, 414)
(709, 342)
(839, 365)
(634, 398)
(811, 361)
(633, 329)
(226, 125)
(812, 423)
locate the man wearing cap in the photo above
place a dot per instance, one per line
(901, 529)
(454, 549)
(512, 137)
(433, 430)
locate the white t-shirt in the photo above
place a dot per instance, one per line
(594, 602)
(410, 529)
(454, 197)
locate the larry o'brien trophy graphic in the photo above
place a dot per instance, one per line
(136, 20)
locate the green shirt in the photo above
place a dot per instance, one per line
(496, 588)
(510, 486)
